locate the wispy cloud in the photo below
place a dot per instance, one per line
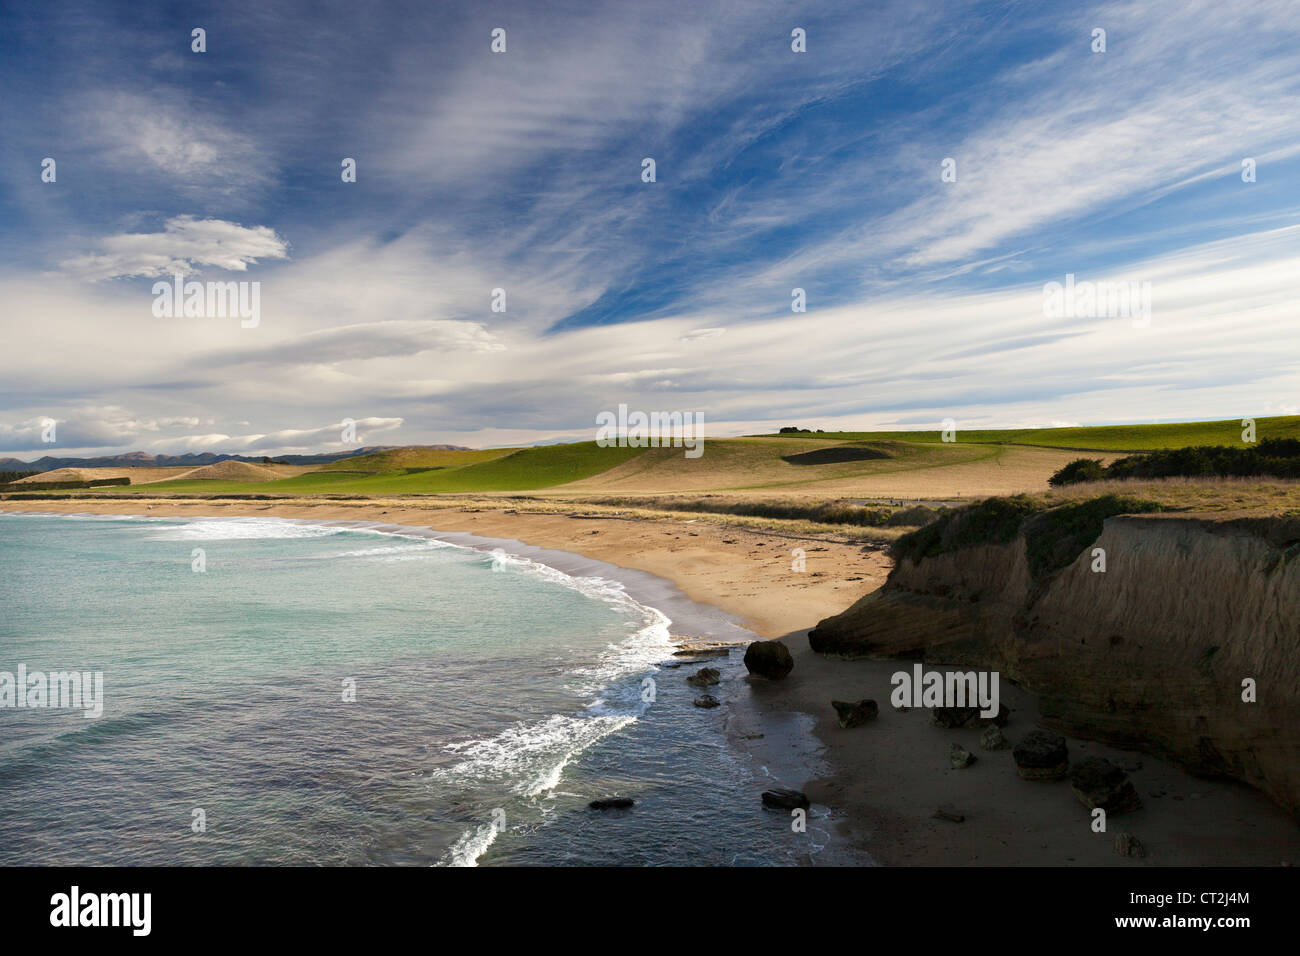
(170, 137)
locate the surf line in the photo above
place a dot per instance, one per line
(921, 688)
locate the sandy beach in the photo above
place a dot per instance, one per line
(881, 783)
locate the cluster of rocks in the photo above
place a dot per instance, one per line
(1097, 782)
(693, 652)
(766, 659)
(1038, 756)
(688, 652)
(771, 660)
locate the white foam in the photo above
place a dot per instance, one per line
(645, 648)
(400, 552)
(236, 529)
(471, 845)
(529, 759)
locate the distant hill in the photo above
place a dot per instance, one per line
(140, 459)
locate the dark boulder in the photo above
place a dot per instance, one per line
(770, 659)
(1126, 844)
(993, 739)
(783, 799)
(960, 757)
(704, 677)
(1099, 783)
(612, 803)
(1041, 756)
(855, 713)
(703, 652)
(707, 701)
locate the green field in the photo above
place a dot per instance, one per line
(398, 459)
(1117, 438)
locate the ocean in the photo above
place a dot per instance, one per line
(283, 693)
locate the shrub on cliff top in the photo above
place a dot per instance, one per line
(1081, 469)
(1271, 458)
(992, 521)
(1053, 537)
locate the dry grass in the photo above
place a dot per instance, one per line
(235, 471)
(532, 504)
(1245, 495)
(147, 476)
(934, 472)
(137, 475)
(792, 527)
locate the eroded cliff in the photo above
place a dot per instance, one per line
(1150, 653)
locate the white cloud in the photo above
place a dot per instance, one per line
(166, 134)
(1181, 94)
(288, 441)
(185, 244)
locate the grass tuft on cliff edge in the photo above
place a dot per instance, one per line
(1054, 536)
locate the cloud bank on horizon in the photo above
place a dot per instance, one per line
(920, 172)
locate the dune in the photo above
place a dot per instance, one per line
(138, 476)
(65, 474)
(231, 471)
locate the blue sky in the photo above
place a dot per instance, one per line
(522, 170)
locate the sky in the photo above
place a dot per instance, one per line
(523, 171)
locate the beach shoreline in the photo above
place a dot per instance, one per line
(883, 781)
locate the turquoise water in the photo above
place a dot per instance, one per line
(494, 697)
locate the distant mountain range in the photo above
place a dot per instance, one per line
(141, 459)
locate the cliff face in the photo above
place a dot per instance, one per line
(1150, 654)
